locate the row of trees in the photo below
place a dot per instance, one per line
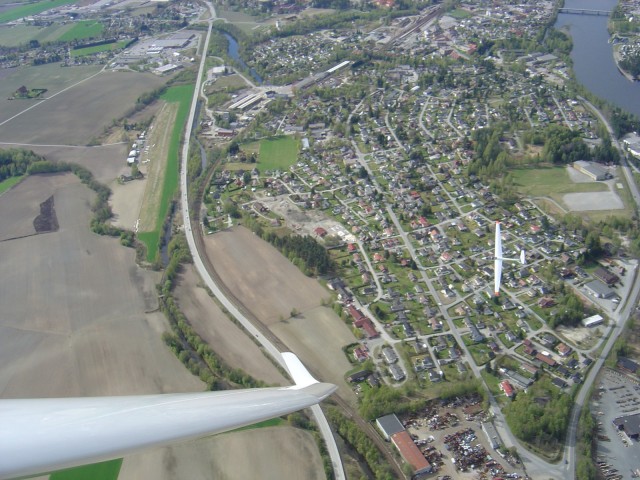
(354, 436)
(101, 208)
(185, 342)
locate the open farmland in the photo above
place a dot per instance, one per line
(270, 453)
(106, 47)
(82, 30)
(74, 324)
(270, 286)
(73, 116)
(25, 10)
(74, 304)
(226, 338)
(52, 77)
(20, 34)
(106, 162)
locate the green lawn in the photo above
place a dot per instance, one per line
(541, 182)
(97, 471)
(82, 30)
(278, 153)
(31, 9)
(7, 183)
(272, 422)
(181, 94)
(459, 14)
(81, 52)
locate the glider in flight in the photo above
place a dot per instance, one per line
(498, 259)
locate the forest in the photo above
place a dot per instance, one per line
(307, 254)
(15, 162)
(540, 415)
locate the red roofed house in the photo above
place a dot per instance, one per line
(411, 453)
(546, 359)
(321, 232)
(507, 388)
(360, 354)
(563, 349)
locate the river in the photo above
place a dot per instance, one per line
(592, 55)
(232, 51)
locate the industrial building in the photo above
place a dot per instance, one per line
(592, 170)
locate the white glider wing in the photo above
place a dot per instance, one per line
(497, 263)
(43, 435)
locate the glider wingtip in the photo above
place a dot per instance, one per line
(301, 376)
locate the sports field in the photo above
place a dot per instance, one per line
(540, 182)
(278, 153)
(31, 9)
(82, 30)
(182, 96)
(81, 52)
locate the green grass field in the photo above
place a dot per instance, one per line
(82, 30)
(7, 183)
(97, 471)
(278, 153)
(540, 182)
(459, 14)
(31, 9)
(181, 94)
(81, 52)
(273, 422)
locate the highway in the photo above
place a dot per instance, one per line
(619, 319)
(269, 347)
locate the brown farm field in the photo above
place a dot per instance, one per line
(74, 304)
(270, 453)
(51, 76)
(76, 115)
(270, 286)
(227, 339)
(74, 324)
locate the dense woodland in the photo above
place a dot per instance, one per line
(540, 415)
(15, 162)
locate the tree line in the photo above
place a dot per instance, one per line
(351, 433)
(185, 342)
(303, 251)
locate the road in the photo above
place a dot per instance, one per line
(269, 347)
(620, 318)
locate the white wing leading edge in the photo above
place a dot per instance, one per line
(48, 434)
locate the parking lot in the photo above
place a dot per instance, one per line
(451, 437)
(618, 456)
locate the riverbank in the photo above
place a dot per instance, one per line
(616, 59)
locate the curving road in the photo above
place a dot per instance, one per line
(321, 420)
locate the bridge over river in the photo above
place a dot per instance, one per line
(585, 11)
